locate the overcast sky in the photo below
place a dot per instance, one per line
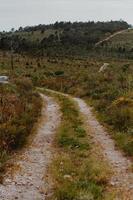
(16, 13)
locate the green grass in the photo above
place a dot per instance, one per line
(124, 142)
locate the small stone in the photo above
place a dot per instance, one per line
(67, 177)
(112, 183)
(41, 192)
(8, 181)
(46, 193)
(131, 187)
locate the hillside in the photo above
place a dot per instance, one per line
(63, 38)
(119, 46)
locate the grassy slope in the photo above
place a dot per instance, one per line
(35, 35)
(119, 46)
(124, 39)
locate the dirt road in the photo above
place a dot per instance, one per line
(110, 37)
(30, 182)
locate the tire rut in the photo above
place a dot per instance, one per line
(29, 183)
(122, 179)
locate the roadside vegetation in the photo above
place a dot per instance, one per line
(77, 171)
(19, 110)
(110, 91)
(111, 94)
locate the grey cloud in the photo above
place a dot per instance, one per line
(15, 13)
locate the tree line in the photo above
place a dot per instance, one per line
(61, 38)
